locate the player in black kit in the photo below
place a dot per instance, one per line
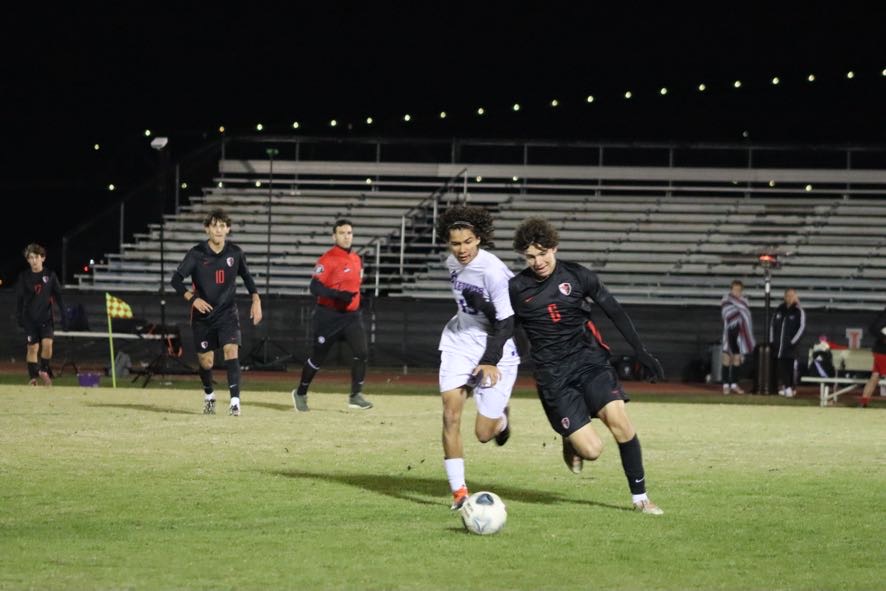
(37, 288)
(574, 379)
(213, 267)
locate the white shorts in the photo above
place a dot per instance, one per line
(491, 402)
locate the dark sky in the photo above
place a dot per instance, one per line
(72, 77)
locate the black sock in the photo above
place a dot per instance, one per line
(233, 367)
(632, 462)
(358, 374)
(731, 375)
(44, 364)
(32, 370)
(206, 378)
(307, 375)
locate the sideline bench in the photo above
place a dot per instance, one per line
(839, 385)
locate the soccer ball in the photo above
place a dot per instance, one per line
(484, 513)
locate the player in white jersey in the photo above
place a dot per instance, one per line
(477, 353)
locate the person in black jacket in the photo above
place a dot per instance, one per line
(878, 330)
(788, 326)
(36, 290)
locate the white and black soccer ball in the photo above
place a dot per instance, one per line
(484, 513)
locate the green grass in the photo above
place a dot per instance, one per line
(135, 489)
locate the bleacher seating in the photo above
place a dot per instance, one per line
(665, 243)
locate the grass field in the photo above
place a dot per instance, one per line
(136, 489)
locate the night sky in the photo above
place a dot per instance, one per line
(73, 77)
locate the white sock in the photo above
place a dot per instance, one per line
(235, 401)
(502, 423)
(733, 386)
(639, 498)
(210, 396)
(455, 472)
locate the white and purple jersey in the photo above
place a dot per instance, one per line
(466, 332)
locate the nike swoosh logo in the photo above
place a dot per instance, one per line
(639, 481)
(529, 299)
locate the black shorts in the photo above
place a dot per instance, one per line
(216, 331)
(34, 333)
(572, 401)
(329, 326)
(732, 346)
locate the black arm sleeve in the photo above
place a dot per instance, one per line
(246, 276)
(502, 330)
(178, 283)
(615, 312)
(318, 289)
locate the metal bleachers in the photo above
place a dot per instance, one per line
(654, 235)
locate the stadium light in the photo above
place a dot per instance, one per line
(221, 128)
(407, 117)
(368, 181)
(333, 123)
(147, 133)
(775, 81)
(555, 103)
(96, 147)
(295, 125)
(808, 188)
(481, 111)
(184, 185)
(771, 183)
(850, 74)
(369, 121)
(810, 78)
(479, 179)
(702, 87)
(112, 187)
(515, 178)
(257, 184)
(259, 127)
(590, 98)
(883, 73)
(663, 91)
(442, 114)
(516, 107)
(737, 84)
(220, 184)
(628, 94)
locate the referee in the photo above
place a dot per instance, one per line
(336, 284)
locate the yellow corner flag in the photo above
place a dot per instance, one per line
(116, 308)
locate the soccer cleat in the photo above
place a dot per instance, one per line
(209, 406)
(648, 507)
(234, 410)
(573, 461)
(459, 497)
(863, 402)
(357, 401)
(300, 401)
(725, 389)
(502, 436)
(781, 391)
(736, 389)
(789, 393)
(32, 382)
(44, 377)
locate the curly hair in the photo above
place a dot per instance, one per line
(34, 248)
(537, 231)
(466, 217)
(216, 215)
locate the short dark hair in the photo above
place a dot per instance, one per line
(736, 282)
(466, 217)
(535, 231)
(339, 223)
(216, 214)
(34, 248)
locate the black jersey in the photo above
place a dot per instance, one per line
(214, 275)
(556, 315)
(35, 293)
